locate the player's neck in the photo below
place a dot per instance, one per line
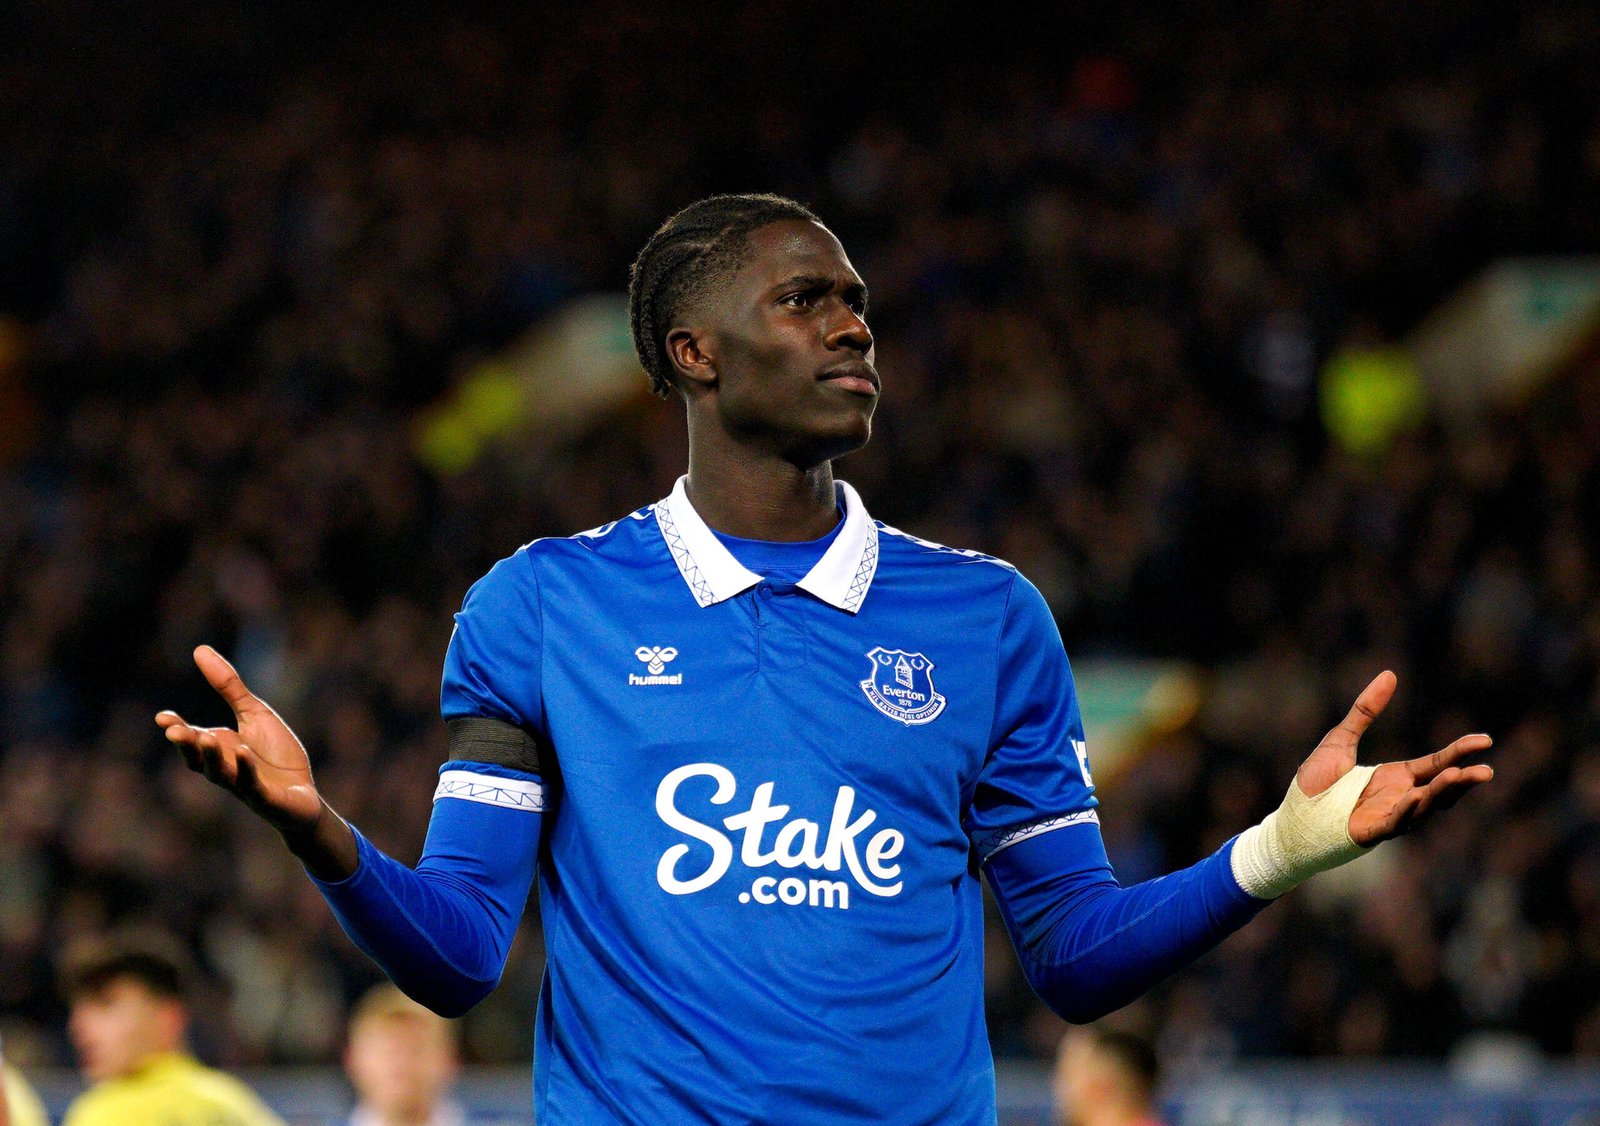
(744, 494)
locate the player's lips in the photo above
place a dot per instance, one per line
(857, 376)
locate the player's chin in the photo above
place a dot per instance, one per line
(845, 434)
(817, 444)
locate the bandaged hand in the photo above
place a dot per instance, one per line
(1335, 810)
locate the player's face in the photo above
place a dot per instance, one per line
(118, 1027)
(791, 349)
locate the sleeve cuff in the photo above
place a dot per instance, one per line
(363, 847)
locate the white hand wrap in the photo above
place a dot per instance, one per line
(1302, 837)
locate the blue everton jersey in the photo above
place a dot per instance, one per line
(767, 806)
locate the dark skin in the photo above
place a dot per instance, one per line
(775, 366)
(771, 367)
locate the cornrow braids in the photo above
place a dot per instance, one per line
(701, 243)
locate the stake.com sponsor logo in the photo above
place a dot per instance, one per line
(795, 845)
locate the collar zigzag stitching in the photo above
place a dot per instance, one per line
(864, 572)
(687, 567)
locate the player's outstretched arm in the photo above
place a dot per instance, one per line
(264, 765)
(1089, 945)
(442, 930)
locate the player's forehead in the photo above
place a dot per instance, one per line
(794, 248)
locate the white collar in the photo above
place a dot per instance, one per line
(840, 578)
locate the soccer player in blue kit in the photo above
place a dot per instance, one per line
(757, 748)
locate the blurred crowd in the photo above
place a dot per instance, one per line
(241, 248)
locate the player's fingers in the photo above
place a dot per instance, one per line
(186, 739)
(1428, 796)
(1408, 809)
(210, 750)
(1455, 783)
(184, 733)
(248, 781)
(169, 718)
(1437, 794)
(1429, 767)
(1394, 820)
(224, 678)
(1368, 706)
(218, 762)
(181, 732)
(1448, 787)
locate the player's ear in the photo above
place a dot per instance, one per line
(692, 362)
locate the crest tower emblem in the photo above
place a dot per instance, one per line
(901, 686)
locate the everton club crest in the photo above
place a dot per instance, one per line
(901, 686)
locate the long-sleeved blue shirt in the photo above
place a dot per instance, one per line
(757, 784)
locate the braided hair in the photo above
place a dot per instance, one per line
(703, 242)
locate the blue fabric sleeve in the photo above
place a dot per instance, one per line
(1088, 945)
(1037, 765)
(492, 668)
(441, 931)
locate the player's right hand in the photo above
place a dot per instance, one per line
(262, 763)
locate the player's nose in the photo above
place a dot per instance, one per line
(849, 330)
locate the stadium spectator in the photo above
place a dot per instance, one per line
(1105, 1077)
(128, 1019)
(402, 1060)
(19, 1103)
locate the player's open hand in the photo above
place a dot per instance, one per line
(262, 763)
(1399, 795)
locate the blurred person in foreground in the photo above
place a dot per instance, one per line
(757, 748)
(19, 1102)
(129, 1015)
(1105, 1077)
(402, 1060)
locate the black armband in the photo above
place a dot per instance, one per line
(493, 741)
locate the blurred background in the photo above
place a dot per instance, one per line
(1262, 336)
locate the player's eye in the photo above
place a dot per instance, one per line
(801, 300)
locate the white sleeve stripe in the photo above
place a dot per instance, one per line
(996, 842)
(510, 793)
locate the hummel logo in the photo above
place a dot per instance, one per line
(656, 658)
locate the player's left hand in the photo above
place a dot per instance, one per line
(1399, 795)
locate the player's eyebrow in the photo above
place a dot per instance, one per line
(805, 281)
(853, 288)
